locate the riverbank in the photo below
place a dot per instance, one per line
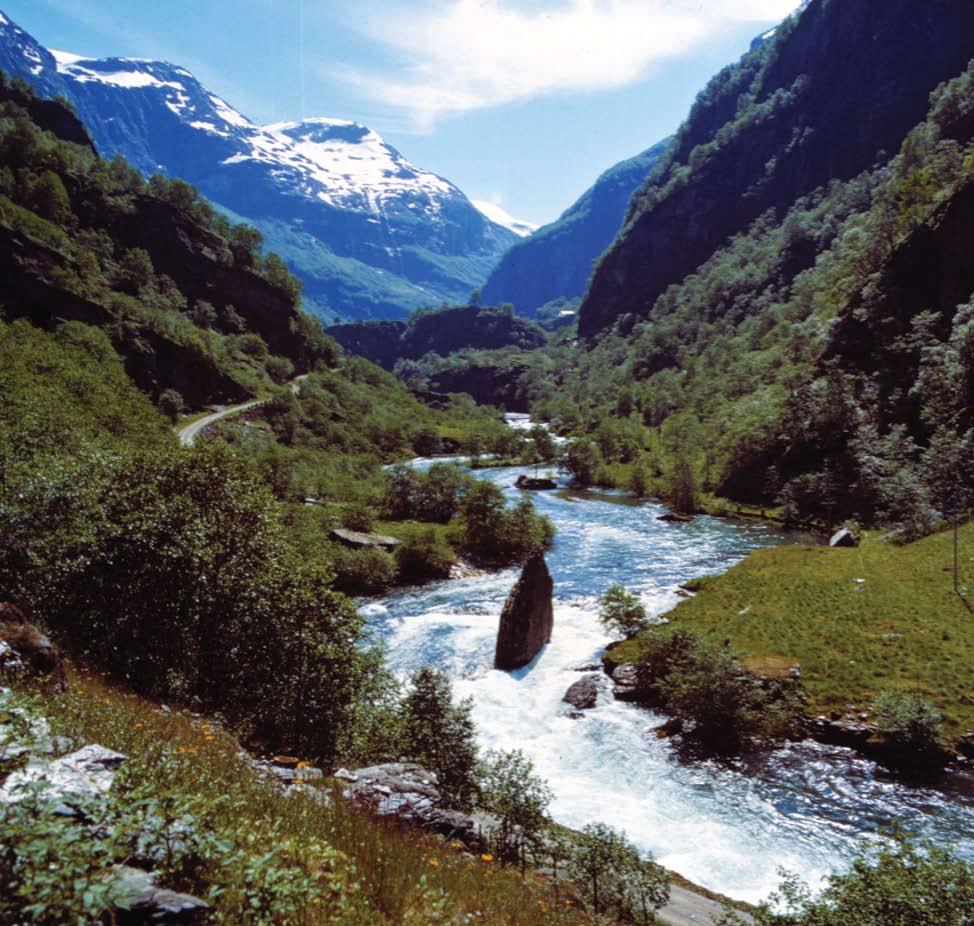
(855, 622)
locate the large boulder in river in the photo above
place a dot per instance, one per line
(409, 794)
(527, 618)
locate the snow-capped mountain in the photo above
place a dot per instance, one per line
(500, 216)
(369, 233)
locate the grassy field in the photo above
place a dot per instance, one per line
(857, 621)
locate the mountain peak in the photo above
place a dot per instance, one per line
(500, 216)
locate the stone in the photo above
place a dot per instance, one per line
(535, 483)
(25, 646)
(627, 685)
(528, 617)
(70, 782)
(675, 517)
(362, 539)
(409, 794)
(138, 900)
(583, 694)
(844, 538)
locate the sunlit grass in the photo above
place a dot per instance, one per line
(380, 875)
(857, 621)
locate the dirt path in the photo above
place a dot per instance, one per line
(688, 908)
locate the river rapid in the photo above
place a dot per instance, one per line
(730, 827)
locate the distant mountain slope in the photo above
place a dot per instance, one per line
(369, 234)
(556, 261)
(830, 92)
(442, 331)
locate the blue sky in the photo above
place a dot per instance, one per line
(518, 103)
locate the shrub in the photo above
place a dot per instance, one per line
(899, 883)
(171, 404)
(908, 720)
(620, 611)
(423, 556)
(512, 792)
(614, 878)
(369, 571)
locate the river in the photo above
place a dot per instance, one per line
(727, 826)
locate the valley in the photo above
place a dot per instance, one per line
(293, 433)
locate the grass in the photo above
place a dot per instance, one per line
(351, 870)
(857, 621)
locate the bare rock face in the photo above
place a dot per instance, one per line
(527, 618)
(408, 793)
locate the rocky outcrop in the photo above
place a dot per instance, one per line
(844, 538)
(584, 694)
(627, 685)
(78, 785)
(528, 617)
(362, 539)
(409, 794)
(535, 483)
(139, 900)
(675, 517)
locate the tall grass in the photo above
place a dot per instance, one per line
(349, 869)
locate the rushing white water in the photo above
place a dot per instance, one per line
(730, 827)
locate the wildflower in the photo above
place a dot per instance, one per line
(487, 857)
(433, 861)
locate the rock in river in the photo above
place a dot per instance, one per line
(584, 693)
(527, 619)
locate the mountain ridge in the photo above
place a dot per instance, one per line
(368, 232)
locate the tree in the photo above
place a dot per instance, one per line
(583, 460)
(682, 486)
(245, 243)
(440, 735)
(518, 798)
(620, 611)
(171, 404)
(898, 884)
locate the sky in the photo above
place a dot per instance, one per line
(522, 104)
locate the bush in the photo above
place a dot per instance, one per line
(620, 611)
(423, 556)
(189, 588)
(171, 404)
(613, 877)
(583, 460)
(902, 884)
(369, 571)
(702, 685)
(512, 792)
(908, 720)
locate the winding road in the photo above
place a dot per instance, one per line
(188, 432)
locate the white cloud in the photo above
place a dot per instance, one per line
(471, 54)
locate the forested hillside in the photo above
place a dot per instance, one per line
(555, 262)
(834, 90)
(820, 359)
(124, 300)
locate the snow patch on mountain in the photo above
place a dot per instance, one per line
(500, 216)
